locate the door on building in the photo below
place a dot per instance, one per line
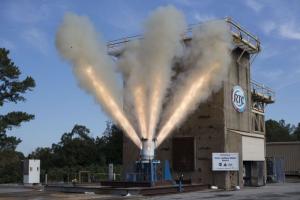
(253, 174)
(253, 154)
(183, 158)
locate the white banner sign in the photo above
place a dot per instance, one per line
(225, 161)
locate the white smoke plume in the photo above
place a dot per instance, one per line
(207, 60)
(148, 64)
(78, 42)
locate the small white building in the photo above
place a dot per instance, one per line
(31, 171)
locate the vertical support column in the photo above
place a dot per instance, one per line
(110, 172)
(151, 167)
(46, 179)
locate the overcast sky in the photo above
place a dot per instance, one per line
(28, 29)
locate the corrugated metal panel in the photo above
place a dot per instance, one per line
(289, 152)
(253, 149)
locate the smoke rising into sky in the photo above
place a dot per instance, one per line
(207, 59)
(147, 68)
(148, 63)
(77, 42)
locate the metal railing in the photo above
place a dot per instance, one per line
(241, 37)
(118, 44)
(262, 90)
(80, 178)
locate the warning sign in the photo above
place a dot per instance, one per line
(225, 161)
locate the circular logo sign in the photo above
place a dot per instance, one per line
(238, 99)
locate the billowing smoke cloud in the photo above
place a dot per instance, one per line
(77, 41)
(148, 63)
(207, 60)
(146, 66)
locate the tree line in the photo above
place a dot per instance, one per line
(76, 150)
(280, 131)
(12, 88)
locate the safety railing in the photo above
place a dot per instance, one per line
(260, 91)
(241, 37)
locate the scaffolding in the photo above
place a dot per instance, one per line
(243, 38)
(262, 93)
(261, 96)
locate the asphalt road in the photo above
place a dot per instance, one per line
(286, 191)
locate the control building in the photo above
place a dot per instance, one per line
(232, 120)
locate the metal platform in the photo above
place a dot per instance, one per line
(97, 189)
(128, 184)
(241, 37)
(262, 93)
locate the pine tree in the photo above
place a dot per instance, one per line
(12, 89)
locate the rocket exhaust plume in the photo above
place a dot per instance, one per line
(162, 40)
(78, 43)
(208, 58)
(149, 62)
(147, 68)
(135, 86)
